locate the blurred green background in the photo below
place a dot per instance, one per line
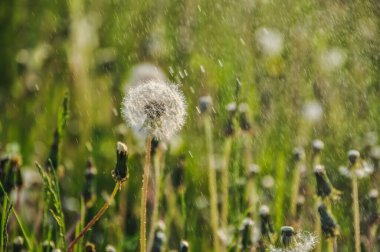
(308, 69)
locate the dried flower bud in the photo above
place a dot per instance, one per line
(244, 123)
(48, 246)
(318, 146)
(266, 225)
(353, 156)
(299, 205)
(18, 244)
(246, 231)
(121, 169)
(371, 208)
(229, 128)
(253, 170)
(110, 248)
(298, 154)
(328, 223)
(90, 247)
(184, 246)
(154, 146)
(159, 241)
(178, 175)
(287, 234)
(324, 187)
(205, 104)
(89, 195)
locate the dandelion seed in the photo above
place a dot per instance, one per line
(155, 108)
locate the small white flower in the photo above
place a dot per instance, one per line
(155, 107)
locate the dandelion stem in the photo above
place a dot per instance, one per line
(225, 182)
(295, 190)
(157, 179)
(96, 217)
(212, 182)
(355, 205)
(144, 192)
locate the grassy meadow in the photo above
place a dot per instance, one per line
(278, 96)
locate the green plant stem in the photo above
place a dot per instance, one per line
(295, 190)
(157, 178)
(225, 181)
(23, 230)
(95, 218)
(355, 209)
(144, 193)
(212, 182)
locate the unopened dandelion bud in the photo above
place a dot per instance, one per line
(18, 244)
(110, 248)
(121, 170)
(299, 205)
(287, 235)
(266, 225)
(324, 187)
(372, 212)
(298, 154)
(328, 223)
(183, 246)
(253, 170)
(89, 247)
(89, 186)
(246, 231)
(155, 145)
(178, 175)
(244, 123)
(229, 128)
(159, 241)
(318, 146)
(205, 104)
(48, 246)
(353, 156)
(231, 108)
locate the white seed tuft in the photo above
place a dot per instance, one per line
(155, 107)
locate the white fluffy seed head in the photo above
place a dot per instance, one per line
(302, 242)
(155, 107)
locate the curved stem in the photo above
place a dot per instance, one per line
(96, 217)
(144, 192)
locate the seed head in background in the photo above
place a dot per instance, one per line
(155, 107)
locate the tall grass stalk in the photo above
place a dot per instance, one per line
(144, 193)
(225, 181)
(212, 181)
(23, 230)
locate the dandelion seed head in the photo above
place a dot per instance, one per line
(318, 145)
(353, 155)
(264, 210)
(155, 107)
(301, 242)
